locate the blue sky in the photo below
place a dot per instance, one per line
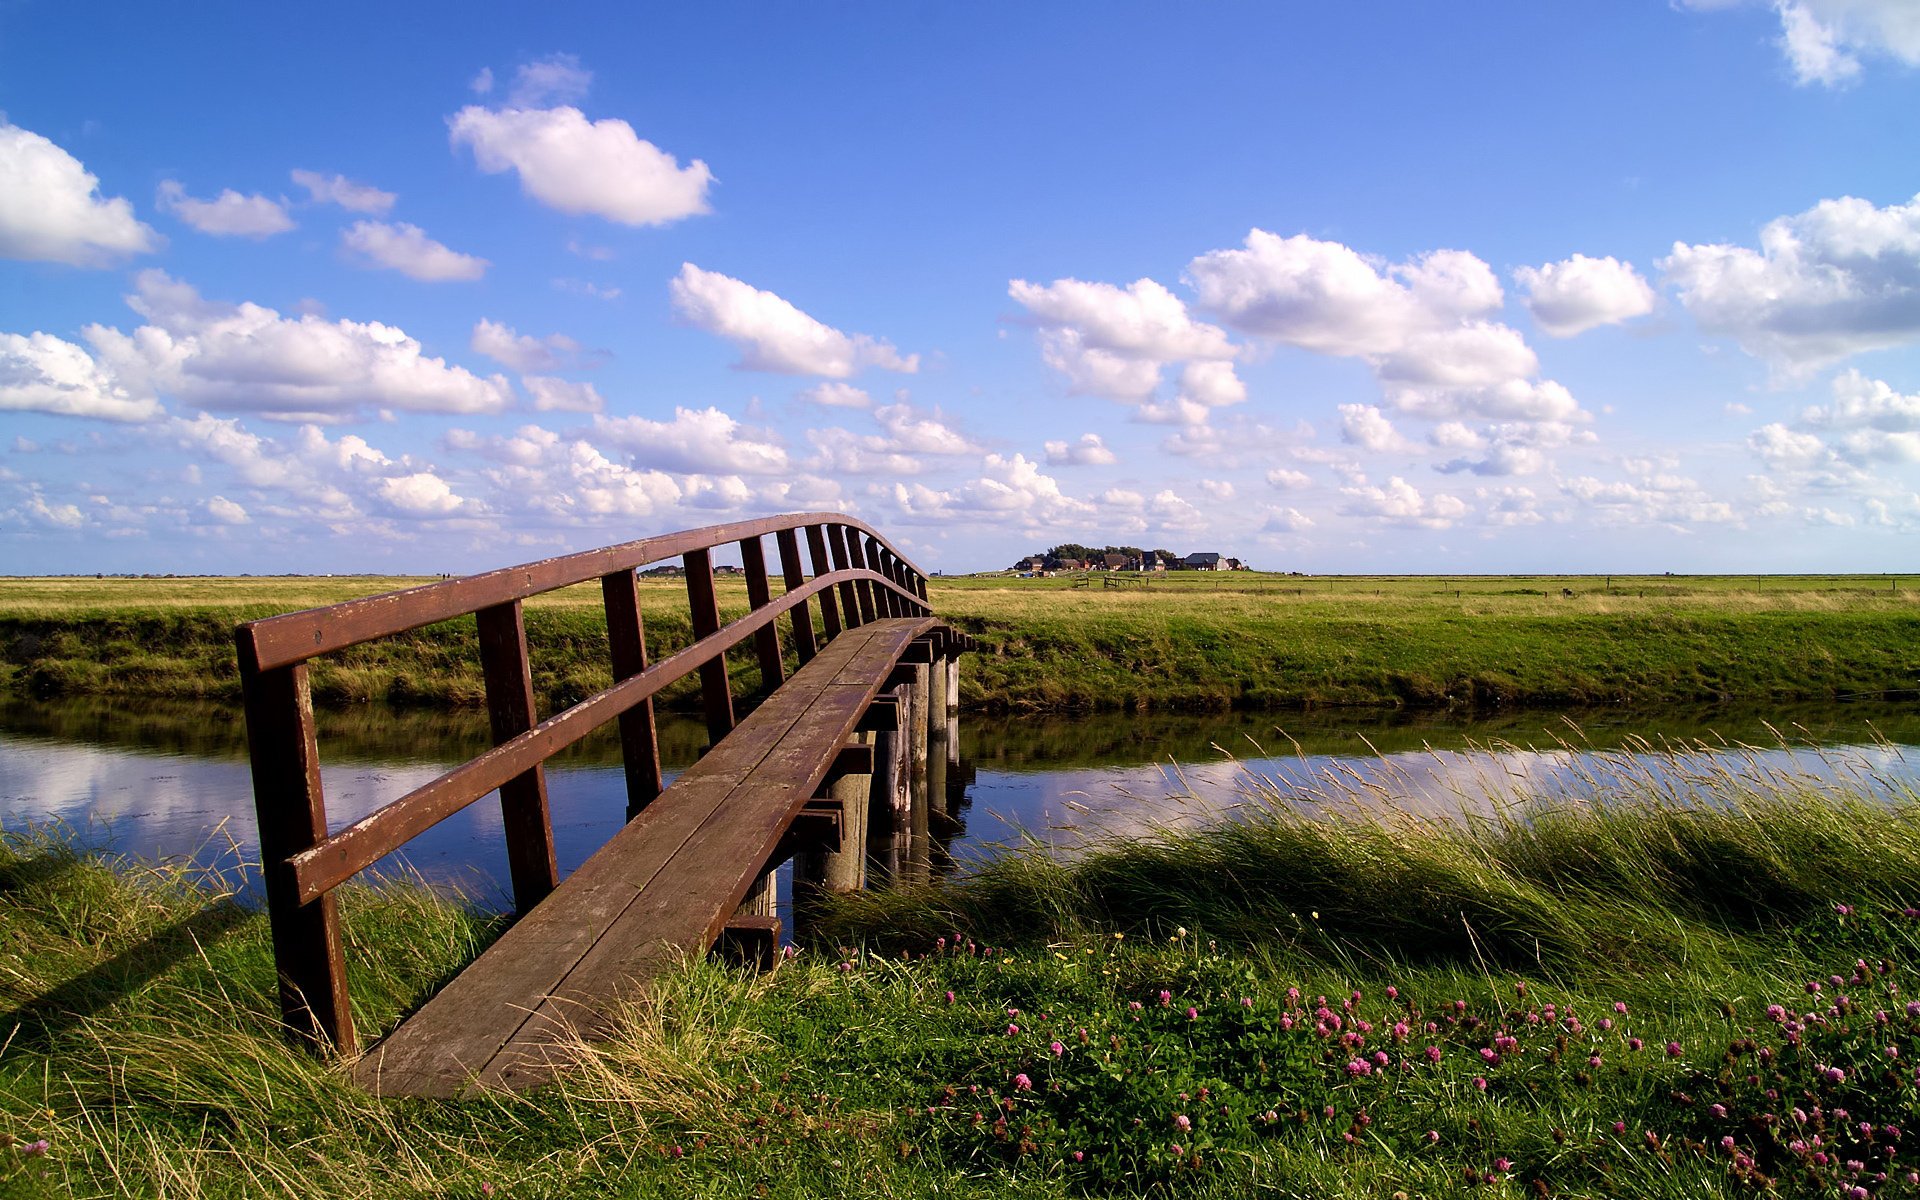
(1387, 287)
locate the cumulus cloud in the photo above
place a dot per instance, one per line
(1509, 507)
(1867, 423)
(1824, 40)
(772, 334)
(1840, 278)
(1286, 520)
(556, 79)
(229, 214)
(836, 395)
(1010, 490)
(844, 452)
(51, 210)
(1400, 503)
(1674, 501)
(1113, 342)
(695, 440)
(597, 168)
(226, 512)
(250, 358)
(408, 250)
(1584, 293)
(338, 189)
(521, 352)
(420, 494)
(1288, 479)
(1422, 324)
(552, 394)
(915, 432)
(1093, 371)
(42, 373)
(1089, 451)
(1365, 426)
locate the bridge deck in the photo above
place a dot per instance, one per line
(662, 887)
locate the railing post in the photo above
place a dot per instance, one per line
(307, 947)
(766, 641)
(854, 598)
(523, 799)
(627, 639)
(881, 560)
(864, 589)
(793, 576)
(822, 565)
(704, 609)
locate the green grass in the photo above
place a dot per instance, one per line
(1193, 641)
(136, 1015)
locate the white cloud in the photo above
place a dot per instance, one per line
(50, 210)
(1211, 384)
(556, 79)
(408, 250)
(1584, 293)
(551, 394)
(1144, 320)
(1824, 39)
(1089, 451)
(843, 452)
(1011, 491)
(601, 168)
(916, 432)
(338, 189)
(584, 287)
(248, 357)
(696, 440)
(1835, 280)
(1365, 426)
(1673, 501)
(1219, 489)
(1286, 520)
(42, 373)
(1509, 507)
(227, 215)
(772, 334)
(1400, 503)
(1862, 403)
(421, 494)
(521, 352)
(226, 512)
(836, 395)
(1288, 479)
(481, 83)
(1093, 371)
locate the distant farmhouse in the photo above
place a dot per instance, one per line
(1071, 556)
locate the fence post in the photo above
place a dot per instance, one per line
(523, 799)
(822, 565)
(863, 591)
(766, 641)
(307, 947)
(792, 577)
(704, 610)
(627, 640)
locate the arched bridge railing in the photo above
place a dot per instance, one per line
(857, 577)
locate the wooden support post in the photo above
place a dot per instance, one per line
(792, 576)
(953, 710)
(704, 607)
(523, 799)
(307, 946)
(766, 641)
(822, 565)
(843, 870)
(918, 794)
(627, 640)
(750, 940)
(889, 802)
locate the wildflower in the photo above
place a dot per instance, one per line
(1606, 1023)
(1634, 1043)
(486, 1189)
(1081, 1155)
(1433, 1135)
(1619, 1126)
(1057, 1049)
(1174, 1149)
(1013, 1012)
(1380, 1058)
(1166, 998)
(35, 1149)
(1246, 1002)
(1359, 1066)
(1433, 1054)
(1719, 1111)
(1012, 1029)
(1134, 1005)
(1593, 1060)
(1673, 1049)
(949, 997)
(1620, 1006)
(1192, 1013)
(1181, 1122)
(1480, 1081)
(1393, 993)
(1021, 1083)
(1503, 1165)
(1834, 1075)
(1845, 910)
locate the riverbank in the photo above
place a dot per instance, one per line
(1623, 1000)
(1191, 642)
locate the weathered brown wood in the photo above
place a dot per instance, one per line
(716, 696)
(523, 799)
(843, 561)
(307, 947)
(871, 606)
(792, 576)
(829, 606)
(856, 758)
(482, 1025)
(296, 637)
(751, 940)
(627, 642)
(766, 641)
(883, 713)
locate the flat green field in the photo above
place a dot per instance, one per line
(1194, 641)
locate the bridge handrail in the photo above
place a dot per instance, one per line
(857, 577)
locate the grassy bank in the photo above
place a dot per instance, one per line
(1189, 642)
(1619, 999)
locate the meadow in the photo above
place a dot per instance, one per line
(1194, 641)
(1618, 999)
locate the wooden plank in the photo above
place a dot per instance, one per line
(627, 644)
(716, 697)
(307, 948)
(829, 606)
(766, 641)
(792, 575)
(523, 799)
(463, 1028)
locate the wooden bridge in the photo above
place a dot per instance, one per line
(872, 687)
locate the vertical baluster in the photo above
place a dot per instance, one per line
(704, 608)
(307, 947)
(846, 556)
(627, 638)
(793, 577)
(766, 640)
(882, 596)
(822, 565)
(523, 799)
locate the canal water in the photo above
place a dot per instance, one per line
(170, 780)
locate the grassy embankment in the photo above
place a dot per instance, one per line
(1574, 1003)
(1187, 642)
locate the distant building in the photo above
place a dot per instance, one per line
(1202, 560)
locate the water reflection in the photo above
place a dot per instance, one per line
(170, 780)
